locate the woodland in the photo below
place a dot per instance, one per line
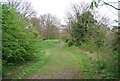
(43, 48)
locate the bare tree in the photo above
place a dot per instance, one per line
(34, 22)
(72, 15)
(77, 9)
(22, 7)
(48, 20)
(50, 26)
(112, 5)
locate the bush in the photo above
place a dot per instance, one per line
(18, 41)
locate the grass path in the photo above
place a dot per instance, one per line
(60, 62)
(65, 63)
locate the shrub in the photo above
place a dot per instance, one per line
(18, 41)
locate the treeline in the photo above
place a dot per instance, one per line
(91, 32)
(47, 25)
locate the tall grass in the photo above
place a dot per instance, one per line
(107, 59)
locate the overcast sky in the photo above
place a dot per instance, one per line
(59, 8)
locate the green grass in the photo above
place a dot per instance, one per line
(77, 64)
(34, 68)
(106, 60)
(26, 69)
(88, 71)
(29, 68)
(56, 61)
(48, 44)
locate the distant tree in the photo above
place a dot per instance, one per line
(76, 9)
(50, 26)
(84, 27)
(72, 16)
(81, 28)
(35, 24)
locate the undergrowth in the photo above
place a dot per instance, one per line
(100, 61)
(25, 69)
(105, 62)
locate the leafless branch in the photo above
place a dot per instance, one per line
(111, 5)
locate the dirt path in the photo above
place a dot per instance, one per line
(63, 65)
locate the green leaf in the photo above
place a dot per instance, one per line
(91, 6)
(96, 5)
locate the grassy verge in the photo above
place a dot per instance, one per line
(87, 71)
(96, 63)
(106, 61)
(26, 69)
(102, 59)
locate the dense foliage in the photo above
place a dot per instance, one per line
(82, 27)
(18, 41)
(89, 34)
